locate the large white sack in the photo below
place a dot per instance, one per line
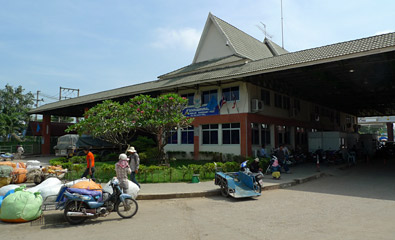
(48, 187)
(33, 163)
(5, 189)
(133, 189)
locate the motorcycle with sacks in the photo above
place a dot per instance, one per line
(82, 204)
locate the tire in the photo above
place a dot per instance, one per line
(71, 207)
(127, 213)
(224, 189)
(257, 187)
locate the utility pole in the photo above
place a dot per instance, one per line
(37, 101)
(62, 89)
(282, 25)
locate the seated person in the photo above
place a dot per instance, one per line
(254, 166)
(275, 166)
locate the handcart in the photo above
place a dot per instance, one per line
(238, 184)
(6, 156)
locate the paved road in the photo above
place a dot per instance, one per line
(356, 203)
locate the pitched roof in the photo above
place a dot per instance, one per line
(240, 42)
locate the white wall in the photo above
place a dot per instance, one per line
(214, 46)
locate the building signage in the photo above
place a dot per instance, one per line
(200, 111)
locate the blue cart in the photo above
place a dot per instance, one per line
(239, 184)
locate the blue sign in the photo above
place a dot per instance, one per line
(200, 112)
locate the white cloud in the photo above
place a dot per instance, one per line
(384, 32)
(186, 38)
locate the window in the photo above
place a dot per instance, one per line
(210, 133)
(278, 100)
(231, 133)
(173, 137)
(286, 102)
(208, 95)
(254, 133)
(187, 135)
(190, 97)
(301, 136)
(265, 97)
(265, 134)
(284, 135)
(231, 94)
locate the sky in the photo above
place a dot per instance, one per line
(99, 45)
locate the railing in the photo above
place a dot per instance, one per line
(29, 149)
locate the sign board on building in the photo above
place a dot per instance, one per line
(200, 111)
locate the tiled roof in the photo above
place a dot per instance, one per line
(205, 66)
(243, 44)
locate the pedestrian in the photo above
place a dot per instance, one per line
(122, 169)
(20, 151)
(262, 152)
(134, 163)
(90, 164)
(281, 158)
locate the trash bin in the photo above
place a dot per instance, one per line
(195, 178)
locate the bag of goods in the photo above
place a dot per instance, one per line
(133, 189)
(88, 184)
(21, 206)
(19, 175)
(32, 164)
(276, 175)
(5, 175)
(49, 187)
(5, 189)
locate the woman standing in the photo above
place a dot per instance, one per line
(122, 169)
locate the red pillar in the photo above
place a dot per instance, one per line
(390, 131)
(46, 135)
(196, 143)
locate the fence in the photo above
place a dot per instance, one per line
(29, 148)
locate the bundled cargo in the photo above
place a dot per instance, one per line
(21, 206)
(5, 175)
(18, 174)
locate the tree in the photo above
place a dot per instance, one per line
(108, 121)
(160, 116)
(14, 107)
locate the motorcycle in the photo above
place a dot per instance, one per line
(79, 206)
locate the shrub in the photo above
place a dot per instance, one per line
(143, 144)
(110, 157)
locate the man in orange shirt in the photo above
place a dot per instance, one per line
(90, 161)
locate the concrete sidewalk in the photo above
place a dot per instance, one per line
(300, 174)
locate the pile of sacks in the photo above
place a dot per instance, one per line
(12, 172)
(26, 205)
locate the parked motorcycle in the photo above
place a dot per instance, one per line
(79, 207)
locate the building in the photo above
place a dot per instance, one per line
(244, 93)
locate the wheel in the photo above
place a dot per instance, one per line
(127, 210)
(73, 207)
(224, 189)
(257, 187)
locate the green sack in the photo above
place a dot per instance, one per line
(5, 171)
(21, 206)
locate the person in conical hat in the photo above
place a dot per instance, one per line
(134, 162)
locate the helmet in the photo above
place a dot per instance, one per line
(123, 156)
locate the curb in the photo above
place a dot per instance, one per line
(217, 192)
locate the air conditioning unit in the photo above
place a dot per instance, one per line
(256, 105)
